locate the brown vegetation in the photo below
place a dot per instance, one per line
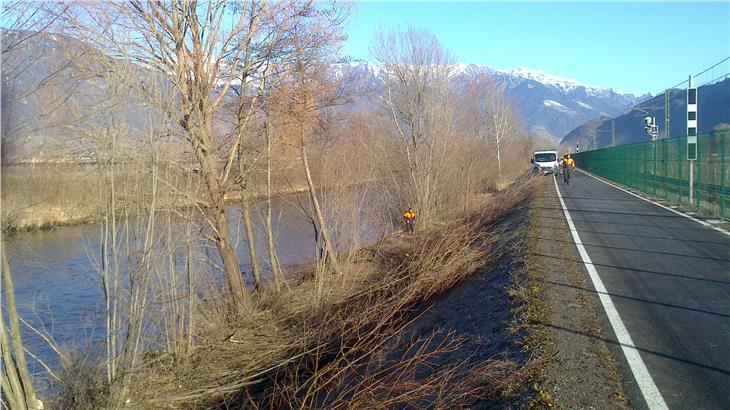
(245, 105)
(337, 344)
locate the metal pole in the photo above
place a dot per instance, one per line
(691, 181)
(613, 133)
(723, 149)
(594, 139)
(667, 108)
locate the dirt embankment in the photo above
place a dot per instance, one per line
(479, 313)
(528, 309)
(562, 318)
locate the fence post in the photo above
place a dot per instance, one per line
(654, 154)
(665, 146)
(723, 170)
(646, 168)
(698, 185)
(680, 167)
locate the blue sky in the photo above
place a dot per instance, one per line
(634, 47)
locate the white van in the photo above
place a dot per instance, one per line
(545, 162)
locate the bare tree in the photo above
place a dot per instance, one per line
(205, 49)
(26, 20)
(276, 272)
(38, 80)
(418, 96)
(496, 118)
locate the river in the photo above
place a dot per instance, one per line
(58, 285)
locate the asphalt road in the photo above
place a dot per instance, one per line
(669, 279)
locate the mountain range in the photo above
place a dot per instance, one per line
(45, 82)
(550, 106)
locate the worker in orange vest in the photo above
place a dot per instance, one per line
(410, 218)
(568, 165)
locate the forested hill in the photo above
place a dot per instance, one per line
(713, 111)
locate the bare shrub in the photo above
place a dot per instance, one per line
(304, 343)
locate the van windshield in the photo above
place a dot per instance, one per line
(545, 157)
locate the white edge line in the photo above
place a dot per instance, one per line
(703, 223)
(649, 390)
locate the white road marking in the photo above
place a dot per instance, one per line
(703, 223)
(652, 396)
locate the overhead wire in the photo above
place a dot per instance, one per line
(701, 72)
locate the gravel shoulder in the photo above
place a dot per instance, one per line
(563, 321)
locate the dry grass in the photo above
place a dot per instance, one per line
(333, 342)
(43, 196)
(39, 196)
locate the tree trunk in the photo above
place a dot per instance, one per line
(217, 208)
(248, 227)
(189, 270)
(228, 253)
(273, 260)
(497, 139)
(324, 232)
(499, 165)
(24, 392)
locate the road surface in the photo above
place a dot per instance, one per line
(668, 278)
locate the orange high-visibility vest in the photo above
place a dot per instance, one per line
(409, 215)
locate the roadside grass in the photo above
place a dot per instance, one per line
(532, 308)
(334, 341)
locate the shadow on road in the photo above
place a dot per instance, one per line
(640, 349)
(674, 275)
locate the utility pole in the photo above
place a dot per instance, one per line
(691, 133)
(613, 133)
(595, 146)
(667, 107)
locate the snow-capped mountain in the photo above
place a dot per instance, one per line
(549, 105)
(565, 84)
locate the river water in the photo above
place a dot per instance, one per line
(58, 285)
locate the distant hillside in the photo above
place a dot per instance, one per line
(54, 85)
(554, 106)
(713, 109)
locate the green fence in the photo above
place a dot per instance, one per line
(660, 168)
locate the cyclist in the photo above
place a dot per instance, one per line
(568, 165)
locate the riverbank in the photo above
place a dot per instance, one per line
(338, 340)
(45, 197)
(43, 216)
